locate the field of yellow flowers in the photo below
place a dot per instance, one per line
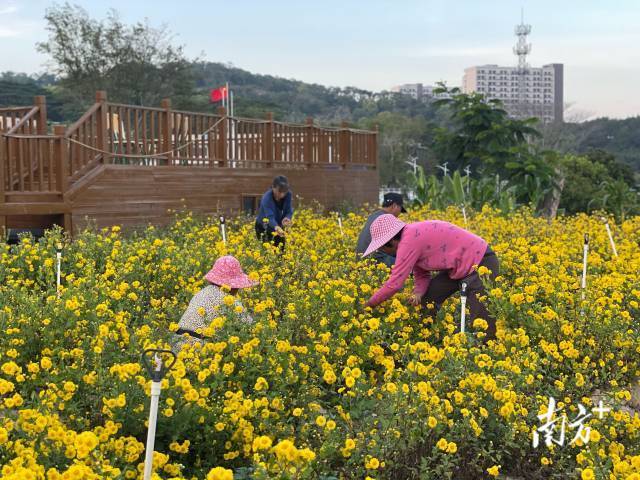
(307, 391)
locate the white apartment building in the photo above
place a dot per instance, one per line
(531, 92)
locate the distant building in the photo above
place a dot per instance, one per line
(538, 92)
(525, 91)
(412, 89)
(419, 91)
(428, 92)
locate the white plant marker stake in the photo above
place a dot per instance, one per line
(585, 250)
(157, 373)
(58, 267)
(464, 213)
(223, 229)
(463, 305)
(613, 245)
(340, 224)
(156, 387)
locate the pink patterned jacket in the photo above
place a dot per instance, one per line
(427, 246)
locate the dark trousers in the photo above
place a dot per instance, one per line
(442, 287)
(266, 234)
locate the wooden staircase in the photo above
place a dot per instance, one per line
(49, 177)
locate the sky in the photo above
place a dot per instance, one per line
(376, 44)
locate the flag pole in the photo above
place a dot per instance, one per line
(226, 94)
(232, 129)
(233, 105)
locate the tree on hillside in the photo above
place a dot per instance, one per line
(135, 64)
(617, 197)
(478, 132)
(399, 136)
(18, 89)
(616, 136)
(615, 169)
(582, 180)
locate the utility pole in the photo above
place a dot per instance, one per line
(444, 169)
(413, 163)
(467, 170)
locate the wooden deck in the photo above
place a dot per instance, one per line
(130, 165)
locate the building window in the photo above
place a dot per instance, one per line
(250, 204)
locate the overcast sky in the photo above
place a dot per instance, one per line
(375, 44)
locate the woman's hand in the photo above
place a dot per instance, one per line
(415, 299)
(287, 222)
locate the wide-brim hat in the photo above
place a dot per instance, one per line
(228, 271)
(383, 229)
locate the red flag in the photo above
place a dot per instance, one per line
(218, 94)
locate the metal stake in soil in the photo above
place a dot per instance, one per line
(223, 229)
(157, 373)
(58, 269)
(463, 305)
(585, 254)
(611, 242)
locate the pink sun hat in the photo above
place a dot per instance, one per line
(383, 229)
(227, 271)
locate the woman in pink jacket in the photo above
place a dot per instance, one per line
(433, 245)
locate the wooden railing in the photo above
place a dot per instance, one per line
(84, 142)
(161, 136)
(33, 161)
(26, 149)
(11, 116)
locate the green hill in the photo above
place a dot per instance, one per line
(294, 101)
(618, 137)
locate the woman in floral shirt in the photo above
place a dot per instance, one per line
(209, 303)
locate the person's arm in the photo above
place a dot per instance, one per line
(268, 206)
(288, 206)
(422, 278)
(405, 260)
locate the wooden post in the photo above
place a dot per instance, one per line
(102, 126)
(374, 146)
(167, 129)
(68, 224)
(211, 143)
(323, 147)
(61, 157)
(267, 142)
(4, 158)
(308, 142)
(40, 101)
(222, 138)
(344, 144)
